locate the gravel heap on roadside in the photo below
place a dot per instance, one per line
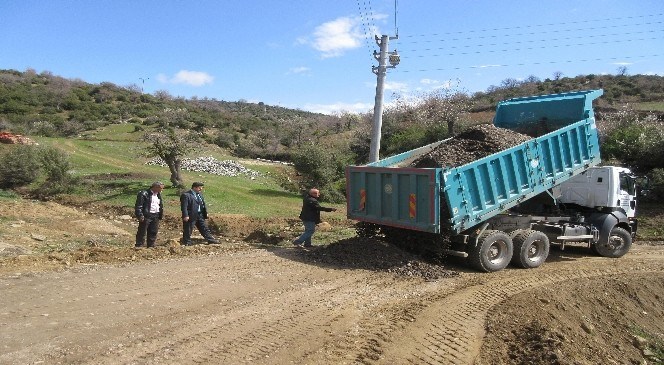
(376, 255)
(210, 165)
(479, 141)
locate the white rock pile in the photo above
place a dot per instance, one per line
(211, 165)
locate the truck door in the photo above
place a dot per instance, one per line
(626, 198)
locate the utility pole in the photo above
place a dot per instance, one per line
(143, 80)
(380, 71)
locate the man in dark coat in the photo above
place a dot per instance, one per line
(149, 209)
(194, 213)
(310, 216)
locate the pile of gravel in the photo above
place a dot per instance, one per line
(376, 255)
(477, 142)
(211, 165)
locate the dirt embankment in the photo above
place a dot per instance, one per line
(354, 301)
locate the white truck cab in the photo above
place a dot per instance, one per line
(600, 187)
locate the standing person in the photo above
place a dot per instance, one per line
(310, 216)
(194, 213)
(149, 209)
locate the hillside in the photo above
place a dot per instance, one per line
(45, 105)
(75, 290)
(48, 105)
(255, 299)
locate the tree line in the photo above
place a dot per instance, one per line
(320, 146)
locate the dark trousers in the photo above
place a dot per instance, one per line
(188, 227)
(149, 227)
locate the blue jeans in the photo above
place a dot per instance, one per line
(309, 229)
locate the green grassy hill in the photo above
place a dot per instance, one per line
(112, 169)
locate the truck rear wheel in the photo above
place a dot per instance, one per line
(531, 248)
(493, 252)
(620, 241)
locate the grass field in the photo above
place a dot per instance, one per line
(651, 106)
(111, 165)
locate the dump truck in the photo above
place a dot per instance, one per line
(511, 205)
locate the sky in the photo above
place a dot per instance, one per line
(318, 55)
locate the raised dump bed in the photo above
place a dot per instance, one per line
(454, 199)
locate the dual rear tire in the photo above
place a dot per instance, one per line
(531, 248)
(493, 251)
(496, 249)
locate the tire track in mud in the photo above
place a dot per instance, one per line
(449, 330)
(259, 328)
(256, 307)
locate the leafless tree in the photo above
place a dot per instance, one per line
(163, 95)
(622, 70)
(171, 146)
(440, 106)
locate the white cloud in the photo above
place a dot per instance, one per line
(336, 37)
(435, 84)
(191, 78)
(390, 86)
(396, 86)
(334, 109)
(299, 70)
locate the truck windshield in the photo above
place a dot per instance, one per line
(627, 183)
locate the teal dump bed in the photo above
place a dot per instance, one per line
(565, 143)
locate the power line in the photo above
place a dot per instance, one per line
(537, 33)
(396, 28)
(529, 64)
(365, 28)
(532, 41)
(533, 48)
(585, 21)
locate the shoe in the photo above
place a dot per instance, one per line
(297, 244)
(308, 245)
(186, 244)
(213, 240)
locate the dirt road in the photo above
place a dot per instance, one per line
(281, 305)
(74, 291)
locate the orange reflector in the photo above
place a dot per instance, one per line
(412, 206)
(363, 199)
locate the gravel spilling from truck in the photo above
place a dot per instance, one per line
(376, 255)
(479, 141)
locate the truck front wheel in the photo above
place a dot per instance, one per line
(620, 241)
(492, 253)
(531, 248)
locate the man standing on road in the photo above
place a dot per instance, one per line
(149, 209)
(310, 216)
(194, 213)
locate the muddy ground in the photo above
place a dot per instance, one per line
(75, 291)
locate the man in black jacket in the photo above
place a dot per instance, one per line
(194, 213)
(310, 216)
(149, 209)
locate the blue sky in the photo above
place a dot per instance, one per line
(316, 55)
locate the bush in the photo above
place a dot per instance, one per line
(655, 188)
(55, 165)
(636, 141)
(19, 167)
(316, 164)
(322, 168)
